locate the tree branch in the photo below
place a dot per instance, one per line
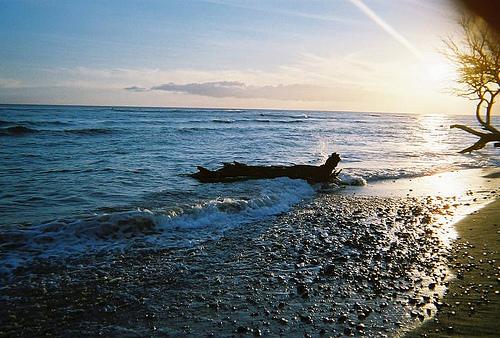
(477, 58)
(467, 129)
(476, 146)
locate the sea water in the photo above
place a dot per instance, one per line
(75, 179)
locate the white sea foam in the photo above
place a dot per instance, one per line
(116, 231)
(276, 196)
(351, 179)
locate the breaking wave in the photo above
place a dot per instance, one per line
(119, 230)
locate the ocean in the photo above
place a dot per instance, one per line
(78, 179)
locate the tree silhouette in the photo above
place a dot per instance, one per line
(477, 60)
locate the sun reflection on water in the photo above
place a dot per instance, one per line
(433, 132)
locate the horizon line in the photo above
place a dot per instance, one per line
(227, 108)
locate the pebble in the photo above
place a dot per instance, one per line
(318, 265)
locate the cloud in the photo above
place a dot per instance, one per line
(236, 89)
(137, 89)
(9, 83)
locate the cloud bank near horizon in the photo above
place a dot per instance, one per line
(237, 89)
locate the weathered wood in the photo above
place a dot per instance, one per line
(484, 138)
(236, 171)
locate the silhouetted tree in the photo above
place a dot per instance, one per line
(478, 63)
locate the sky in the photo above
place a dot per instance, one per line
(352, 55)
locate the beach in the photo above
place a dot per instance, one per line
(309, 272)
(339, 265)
(472, 303)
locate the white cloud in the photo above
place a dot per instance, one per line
(9, 83)
(235, 89)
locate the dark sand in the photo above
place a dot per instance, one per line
(472, 303)
(334, 266)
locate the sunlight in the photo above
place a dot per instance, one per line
(433, 133)
(440, 72)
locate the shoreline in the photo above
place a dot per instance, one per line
(336, 265)
(333, 266)
(472, 303)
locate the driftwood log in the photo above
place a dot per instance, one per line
(236, 171)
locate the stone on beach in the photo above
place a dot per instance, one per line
(326, 265)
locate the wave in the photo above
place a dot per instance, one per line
(351, 179)
(299, 116)
(363, 175)
(188, 130)
(360, 177)
(223, 121)
(89, 131)
(20, 130)
(119, 230)
(258, 120)
(35, 123)
(51, 123)
(16, 131)
(142, 110)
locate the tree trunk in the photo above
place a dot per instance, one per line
(236, 171)
(484, 138)
(492, 134)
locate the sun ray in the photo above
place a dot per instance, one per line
(386, 27)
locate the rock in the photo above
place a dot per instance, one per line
(306, 319)
(342, 318)
(241, 329)
(302, 290)
(328, 320)
(328, 270)
(283, 321)
(257, 332)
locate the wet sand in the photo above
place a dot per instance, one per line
(472, 303)
(339, 265)
(334, 266)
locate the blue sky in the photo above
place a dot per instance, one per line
(373, 55)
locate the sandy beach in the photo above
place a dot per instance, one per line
(472, 303)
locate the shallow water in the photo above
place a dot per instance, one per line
(83, 179)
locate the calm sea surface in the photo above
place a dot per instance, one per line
(74, 178)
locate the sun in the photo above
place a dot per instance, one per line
(440, 72)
